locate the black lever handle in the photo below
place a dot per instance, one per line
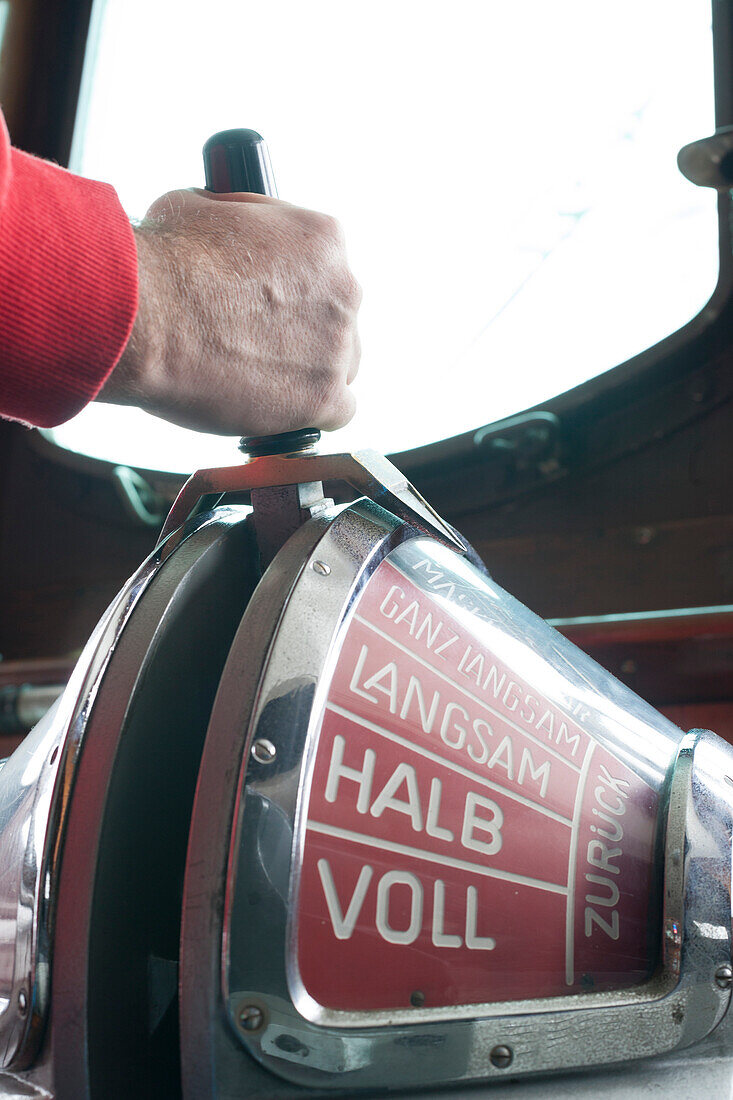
(238, 160)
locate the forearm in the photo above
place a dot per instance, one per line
(68, 287)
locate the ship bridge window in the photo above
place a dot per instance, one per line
(505, 173)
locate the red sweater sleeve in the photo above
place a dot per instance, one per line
(68, 287)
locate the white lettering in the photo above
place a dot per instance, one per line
(503, 757)
(511, 696)
(440, 937)
(434, 576)
(530, 714)
(475, 667)
(354, 685)
(425, 626)
(459, 732)
(591, 918)
(478, 724)
(474, 941)
(616, 785)
(432, 828)
(613, 891)
(604, 855)
(409, 615)
(394, 606)
(472, 822)
(385, 929)
(337, 771)
(388, 673)
(564, 735)
(444, 645)
(403, 773)
(414, 688)
(620, 808)
(343, 924)
(541, 773)
(618, 829)
(492, 681)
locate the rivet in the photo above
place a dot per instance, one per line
(501, 1057)
(250, 1017)
(417, 999)
(264, 751)
(724, 976)
(321, 567)
(22, 1002)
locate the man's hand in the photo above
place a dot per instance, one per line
(247, 317)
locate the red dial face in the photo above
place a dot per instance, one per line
(467, 840)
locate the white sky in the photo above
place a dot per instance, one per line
(505, 174)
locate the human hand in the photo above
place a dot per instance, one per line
(247, 317)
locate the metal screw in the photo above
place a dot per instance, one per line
(321, 567)
(724, 976)
(250, 1017)
(22, 1002)
(501, 1057)
(629, 667)
(417, 999)
(264, 751)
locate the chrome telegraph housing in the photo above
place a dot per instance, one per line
(432, 841)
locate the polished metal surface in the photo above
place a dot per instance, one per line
(13, 1087)
(677, 1008)
(34, 702)
(35, 787)
(212, 1066)
(368, 472)
(117, 910)
(683, 1001)
(23, 705)
(279, 511)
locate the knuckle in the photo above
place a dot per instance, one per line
(322, 225)
(330, 385)
(329, 399)
(331, 228)
(341, 332)
(352, 291)
(166, 208)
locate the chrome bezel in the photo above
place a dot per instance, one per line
(680, 1004)
(36, 785)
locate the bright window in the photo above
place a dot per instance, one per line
(505, 173)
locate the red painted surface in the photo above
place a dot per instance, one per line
(467, 840)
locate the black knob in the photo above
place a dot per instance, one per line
(238, 160)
